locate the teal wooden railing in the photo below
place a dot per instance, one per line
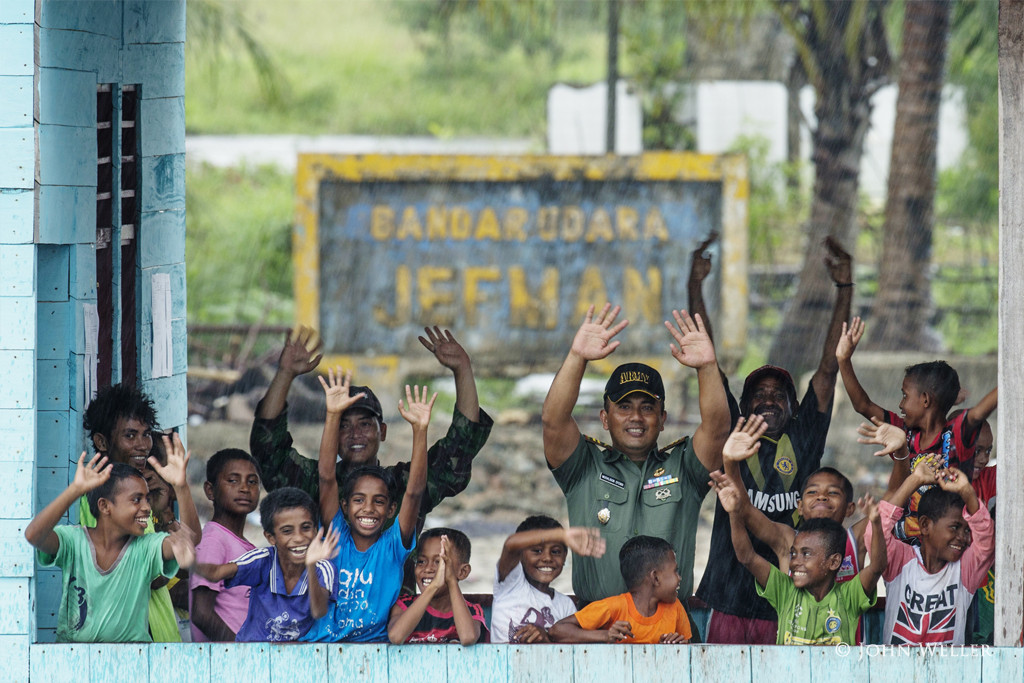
(323, 663)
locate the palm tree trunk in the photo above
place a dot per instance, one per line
(844, 50)
(843, 116)
(901, 312)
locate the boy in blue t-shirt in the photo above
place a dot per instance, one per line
(370, 557)
(283, 603)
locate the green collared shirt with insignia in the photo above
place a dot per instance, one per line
(659, 497)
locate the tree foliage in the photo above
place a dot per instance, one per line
(654, 37)
(535, 26)
(652, 34)
(969, 193)
(216, 27)
(902, 310)
(238, 245)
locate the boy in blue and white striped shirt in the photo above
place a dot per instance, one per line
(283, 603)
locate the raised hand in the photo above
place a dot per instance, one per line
(593, 340)
(619, 630)
(891, 438)
(175, 471)
(301, 352)
(93, 475)
(849, 339)
(838, 262)
(585, 541)
(700, 263)
(926, 471)
(446, 568)
(417, 409)
(693, 347)
(869, 506)
(952, 479)
(445, 347)
(728, 494)
(182, 547)
(336, 388)
(673, 639)
(745, 439)
(324, 546)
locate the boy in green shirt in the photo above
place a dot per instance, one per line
(108, 568)
(812, 609)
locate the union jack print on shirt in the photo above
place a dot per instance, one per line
(915, 628)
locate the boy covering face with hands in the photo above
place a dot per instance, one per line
(439, 614)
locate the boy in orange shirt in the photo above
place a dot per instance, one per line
(650, 612)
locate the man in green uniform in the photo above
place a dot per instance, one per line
(631, 488)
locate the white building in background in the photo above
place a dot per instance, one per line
(722, 111)
(577, 119)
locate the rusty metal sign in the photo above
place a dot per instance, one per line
(509, 252)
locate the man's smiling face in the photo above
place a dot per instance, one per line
(770, 400)
(634, 424)
(360, 436)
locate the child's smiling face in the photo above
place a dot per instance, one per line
(543, 563)
(294, 529)
(428, 563)
(129, 508)
(913, 405)
(368, 507)
(824, 497)
(809, 562)
(946, 537)
(668, 576)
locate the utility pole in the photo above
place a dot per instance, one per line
(613, 73)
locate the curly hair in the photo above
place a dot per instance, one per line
(113, 403)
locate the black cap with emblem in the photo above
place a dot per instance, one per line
(632, 377)
(370, 403)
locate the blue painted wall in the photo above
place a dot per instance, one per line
(19, 293)
(53, 53)
(319, 663)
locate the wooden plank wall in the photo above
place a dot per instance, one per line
(53, 54)
(1010, 526)
(18, 299)
(323, 663)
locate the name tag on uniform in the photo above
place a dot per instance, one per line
(655, 482)
(613, 481)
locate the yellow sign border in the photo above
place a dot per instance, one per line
(729, 170)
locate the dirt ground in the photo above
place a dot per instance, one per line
(510, 481)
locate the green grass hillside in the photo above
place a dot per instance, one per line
(354, 67)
